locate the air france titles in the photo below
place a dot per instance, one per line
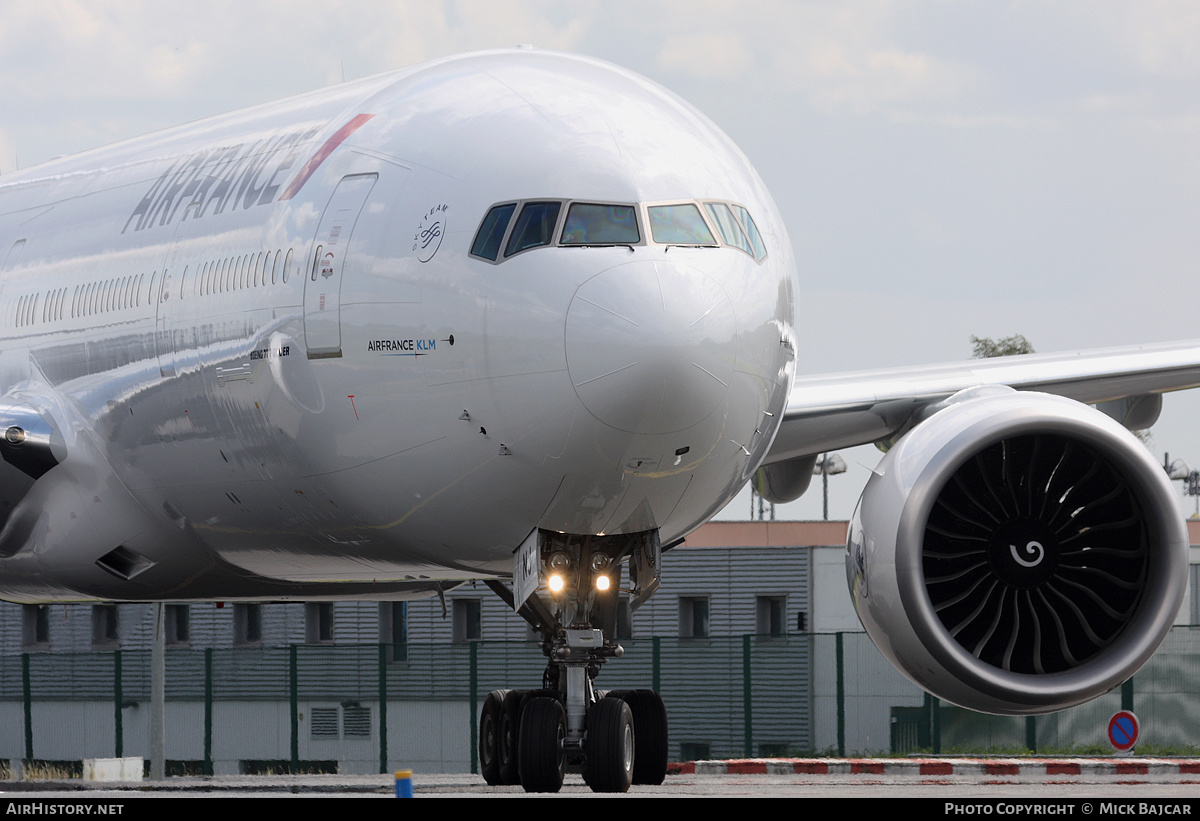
(402, 347)
(232, 177)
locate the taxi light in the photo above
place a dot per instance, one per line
(602, 582)
(555, 583)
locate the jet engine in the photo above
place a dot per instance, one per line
(1017, 553)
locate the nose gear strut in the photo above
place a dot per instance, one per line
(568, 590)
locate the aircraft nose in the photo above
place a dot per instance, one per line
(651, 346)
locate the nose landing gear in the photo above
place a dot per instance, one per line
(615, 739)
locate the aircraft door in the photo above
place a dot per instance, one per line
(323, 283)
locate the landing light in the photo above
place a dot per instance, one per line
(602, 582)
(555, 583)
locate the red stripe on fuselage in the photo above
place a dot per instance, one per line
(315, 160)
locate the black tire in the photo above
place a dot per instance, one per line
(611, 745)
(650, 724)
(489, 736)
(540, 755)
(529, 695)
(510, 725)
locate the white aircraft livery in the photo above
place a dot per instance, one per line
(528, 318)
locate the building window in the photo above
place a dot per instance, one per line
(771, 615)
(318, 622)
(104, 625)
(35, 625)
(693, 617)
(468, 625)
(178, 624)
(393, 629)
(247, 624)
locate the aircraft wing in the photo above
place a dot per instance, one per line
(1015, 550)
(841, 410)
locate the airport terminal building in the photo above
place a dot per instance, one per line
(756, 613)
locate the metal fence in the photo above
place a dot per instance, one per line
(372, 707)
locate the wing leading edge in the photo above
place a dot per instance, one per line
(840, 410)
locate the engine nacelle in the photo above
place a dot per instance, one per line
(1017, 553)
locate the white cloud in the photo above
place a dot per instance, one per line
(1159, 35)
(708, 55)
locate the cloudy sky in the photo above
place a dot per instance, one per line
(945, 168)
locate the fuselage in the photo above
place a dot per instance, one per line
(291, 351)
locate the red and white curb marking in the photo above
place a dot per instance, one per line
(1039, 767)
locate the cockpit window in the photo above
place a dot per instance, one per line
(679, 225)
(592, 224)
(491, 232)
(760, 250)
(535, 226)
(512, 227)
(728, 226)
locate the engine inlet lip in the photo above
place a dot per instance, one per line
(976, 425)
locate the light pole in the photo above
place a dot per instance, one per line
(828, 464)
(1191, 479)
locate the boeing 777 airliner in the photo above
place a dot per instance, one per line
(528, 318)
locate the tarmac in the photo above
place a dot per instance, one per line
(1012, 778)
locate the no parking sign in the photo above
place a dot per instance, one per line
(1123, 731)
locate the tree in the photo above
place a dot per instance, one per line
(985, 347)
